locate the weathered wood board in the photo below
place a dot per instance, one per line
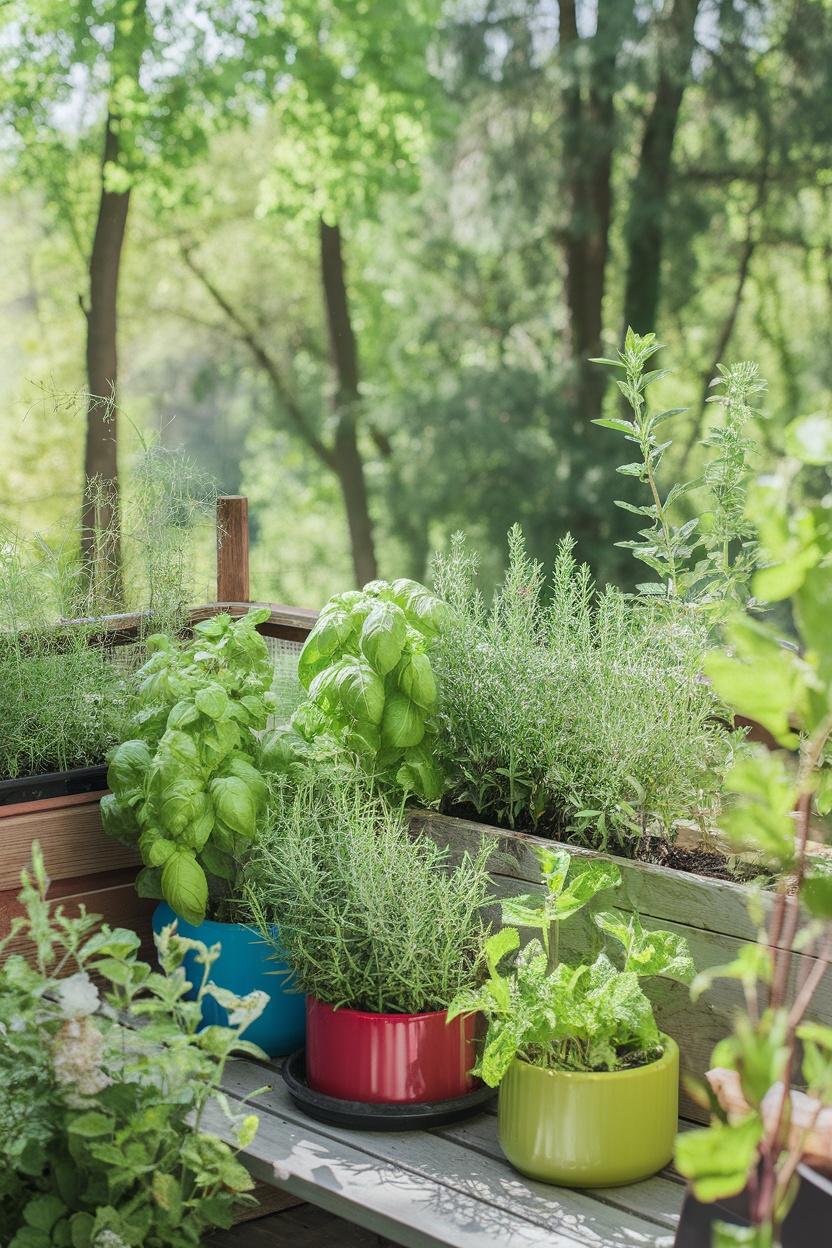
(451, 1186)
(711, 914)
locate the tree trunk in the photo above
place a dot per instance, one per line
(648, 198)
(100, 545)
(348, 463)
(588, 150)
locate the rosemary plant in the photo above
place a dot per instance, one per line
(369, 917)
(584, 716)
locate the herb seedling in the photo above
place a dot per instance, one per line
(561, 1017)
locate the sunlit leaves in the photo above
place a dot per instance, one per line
(719, 1159)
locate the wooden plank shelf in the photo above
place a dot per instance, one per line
(451, 1186)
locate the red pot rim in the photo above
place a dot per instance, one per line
(342, 1009)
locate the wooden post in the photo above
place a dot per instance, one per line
(232, 549)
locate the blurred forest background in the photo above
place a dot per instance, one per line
(361, 251)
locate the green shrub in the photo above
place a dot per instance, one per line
(100, 1136)
(369, 917)
(584, 716)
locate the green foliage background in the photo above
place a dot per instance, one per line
(437, 141)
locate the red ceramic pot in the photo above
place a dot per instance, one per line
(388, 1058)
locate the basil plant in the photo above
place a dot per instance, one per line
(186, 787)
(372, 692)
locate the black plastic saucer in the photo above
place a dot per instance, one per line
(359, 1115)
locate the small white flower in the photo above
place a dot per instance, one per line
(108, 1239)
(77, 1053)
(77, 996)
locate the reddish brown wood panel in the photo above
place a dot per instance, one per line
(118, 905)
(73, 842)
(232, 549)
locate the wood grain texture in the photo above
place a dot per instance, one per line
(71, 837)
(430, 1188)
(232, 549)
(118, 905)
(304, 1226)
(270, 1200)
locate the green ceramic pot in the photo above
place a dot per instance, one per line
(590, 1130)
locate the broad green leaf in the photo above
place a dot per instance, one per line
(585, 882)
(383, 636)
(212, 700)
(149, 882)
(234, 804)
(185, 887)
(181, 748)
(247, 1130)
(81, 1227)
(718, 1160)
(648, 953)
(159, 850)
(420, 773)
(251, 777)
(813, 613)
(764, 775)
(217, 861)
(361, 691)
(200, 823)
(42, 1212)
(816, 889)
(332, 631)
(91, 1125)
(761, 680)
(756, 827)
(129, 764)
(183, 715)
(415, 678)
(402, 723)
(167, 1192)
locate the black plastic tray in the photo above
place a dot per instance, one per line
(361, 1116)
(55, 784)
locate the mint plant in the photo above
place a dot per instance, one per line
(372, 691)
(706, 560)
(782, 799)
(560, 1017)
(101, 1101)
(186, 785)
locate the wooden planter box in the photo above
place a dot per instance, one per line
(86, 867)
(712, 915)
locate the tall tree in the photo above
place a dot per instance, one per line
(354, 117)
(145, 85)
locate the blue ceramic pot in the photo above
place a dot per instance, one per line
(245, 964)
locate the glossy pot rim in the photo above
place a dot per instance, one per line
(316, 1002)
(668, 1058)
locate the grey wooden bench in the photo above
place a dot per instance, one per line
(449, 1186)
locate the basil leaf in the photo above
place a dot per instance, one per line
(402, 723)
(185, 887)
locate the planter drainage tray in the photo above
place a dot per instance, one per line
(360, 1115)
(54, 784)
